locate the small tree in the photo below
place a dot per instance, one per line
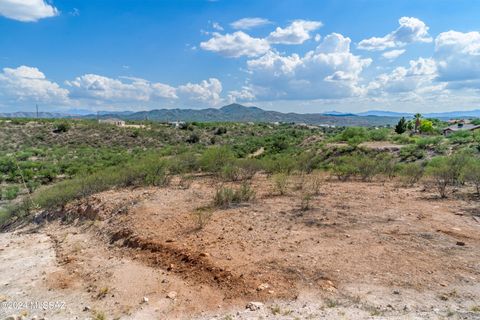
(426, 126)
(417, 119)
(401, 126)
(440, 170)
(471, 173)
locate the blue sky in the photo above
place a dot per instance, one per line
(302, 56)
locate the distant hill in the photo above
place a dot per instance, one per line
(238, 113)
(43, 115)
(440, 115)
(380, 113)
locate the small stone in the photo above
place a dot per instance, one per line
(87, 308)
(145, 299)
(263, 286)
(460, 243)
(172, 295)
(396, 292)
(253, 306)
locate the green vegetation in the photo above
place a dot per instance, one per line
(225, 197)
(44, 164)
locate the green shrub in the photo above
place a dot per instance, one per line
(279, 164)
(426, 126)
(281, 182)
(344, 168)
(410, 173)
(439, 169)
(356, 164)
(225, 197)
(428, 142)
(353, 135)
(214, 159)
(11, 192)
(61, 127)
(380, 134)
(411, 153)
(367, 166)
(305, 201)
(202, 216)
(386, 165)
(471, 173)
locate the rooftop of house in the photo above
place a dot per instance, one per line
(461, 127)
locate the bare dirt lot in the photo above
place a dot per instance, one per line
(361, 251)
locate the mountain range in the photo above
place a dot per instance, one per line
(240, 113)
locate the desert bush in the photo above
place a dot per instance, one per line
(11, 192)
(185, 181)
(219, 131)
(402, 139)
(279, 164)
(248, 168)
(355, 165)
(225, 197)
(281, 182)
(353, 135)
(305, 201)
(439, 169)
(380, 134)
(315, 182)
(308, 161)
(457, 162)
(149, 171)
(61, 127)
(230, 172)
(193, 138)
(367, 166)
(461, 137)
(411, 153)
(202, 216)
(215, 158)
(410, 173)
(300, 181)
(428, 142)
(343, 168)
(386, 164)
(471, 173)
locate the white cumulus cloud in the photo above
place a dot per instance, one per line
(105, 90)
(249, 23)
(27, 10)
(331, 71)
(417, 78)
(393, 54)
(458, 58)
(206, 92)
(29, 85)
(236, 45)
(410, 30)
(296, 33)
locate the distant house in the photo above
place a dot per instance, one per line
(113, 121)
(460, 126)
(177, 124)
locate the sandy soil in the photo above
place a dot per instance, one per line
(362, 251)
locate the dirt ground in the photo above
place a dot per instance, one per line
(361, 251)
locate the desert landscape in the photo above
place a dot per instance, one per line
(239, 160)
(360, 250)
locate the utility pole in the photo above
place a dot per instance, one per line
(36, 106)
